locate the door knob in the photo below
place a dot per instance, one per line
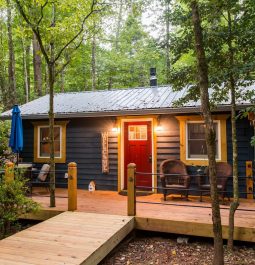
(150, 158)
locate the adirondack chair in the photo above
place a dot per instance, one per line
(174, 178)
(40, 179)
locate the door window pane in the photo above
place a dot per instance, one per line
(196, 140)
(44, 145)
(137, 132)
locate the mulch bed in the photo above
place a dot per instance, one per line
(162, 249)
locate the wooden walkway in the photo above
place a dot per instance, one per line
(68, 238)
(175, 216)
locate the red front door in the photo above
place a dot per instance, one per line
(137, 149)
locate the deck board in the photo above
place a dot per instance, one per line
(186, 218)
(68, 238)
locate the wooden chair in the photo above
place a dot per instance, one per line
(41, 178)
(223, 173)
(174, 178)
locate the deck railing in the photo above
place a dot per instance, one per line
(9, 172)
(133, 175)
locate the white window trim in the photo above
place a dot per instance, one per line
(219, 139)
(39, 138)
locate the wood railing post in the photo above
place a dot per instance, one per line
(249, 180)
(72, 186)
(131, 189)
(9, 172)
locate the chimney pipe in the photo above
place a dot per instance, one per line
(153, 77)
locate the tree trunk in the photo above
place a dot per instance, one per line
(118, 26)
(210, 133)
(93, 60)
(37, 62)
(25, 72)
(46, 79)
(234, 205)
(3, 86)
(11, 67)
(51, 68)
(62, 81)
(28, 46)
(168, 63)
(51, 134)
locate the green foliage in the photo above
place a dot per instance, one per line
(125, 50)
(244, 114)
(4, 136)
(227, 28)
(4, 139)
(14, 203)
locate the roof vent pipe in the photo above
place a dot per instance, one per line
(153, 77)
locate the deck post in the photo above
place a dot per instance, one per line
(249, 180)
(9, 172)
(72, 186)
(131, 168)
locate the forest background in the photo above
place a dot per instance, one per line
(117, 50)
(120, 43)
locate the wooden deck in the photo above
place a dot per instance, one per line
(174, 216)
(68, 238)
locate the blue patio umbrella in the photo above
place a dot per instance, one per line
(16, 137)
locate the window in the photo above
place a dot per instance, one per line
(196, 143)
(42, 143)
(193, 150)
(137, 132)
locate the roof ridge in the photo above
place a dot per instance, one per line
(113, 89)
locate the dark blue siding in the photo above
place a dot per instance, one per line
(83, 146)
(245, 150)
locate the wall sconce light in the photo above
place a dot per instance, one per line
(159, 127)
(115, 128)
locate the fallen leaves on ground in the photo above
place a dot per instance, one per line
(161, 251)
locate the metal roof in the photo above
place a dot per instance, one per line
(135, 101)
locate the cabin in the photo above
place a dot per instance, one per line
(103, 131)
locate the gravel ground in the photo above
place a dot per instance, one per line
(160, 249)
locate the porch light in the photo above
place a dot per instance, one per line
(115, 129)
(159, 127)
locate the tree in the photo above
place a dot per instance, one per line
(210, 132)
(3, 82)
(37, 63)
(11, 66)
(228, 44)
(56, 17)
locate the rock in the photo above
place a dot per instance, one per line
(182, 240)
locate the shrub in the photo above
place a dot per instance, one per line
(13, 203)
(5, 152)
